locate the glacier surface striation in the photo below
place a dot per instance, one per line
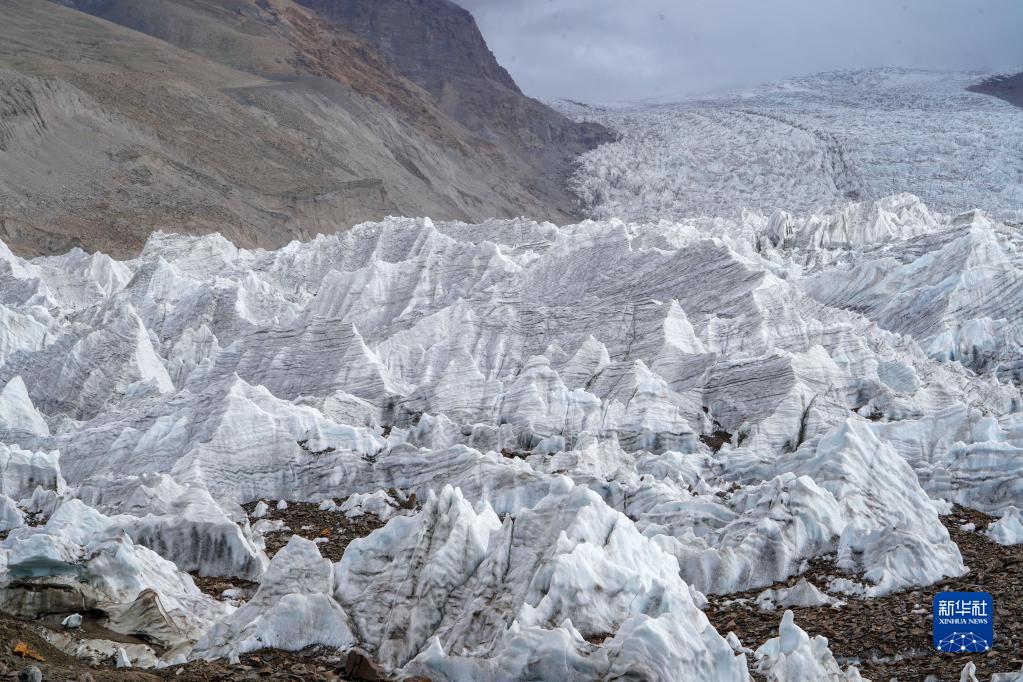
(602, 423)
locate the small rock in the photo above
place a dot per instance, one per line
(85, 677)
(30, 673)
(358, 664)
(73, 621)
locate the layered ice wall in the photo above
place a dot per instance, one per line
(602, 422)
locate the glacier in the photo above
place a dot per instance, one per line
(575, 434)
(808, 144)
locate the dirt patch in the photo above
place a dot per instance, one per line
(32, 519)
(322, 664)
(22, 644)
(215, 587)
(716, 440)
(514, 454)
(331, 530)
(890, 637)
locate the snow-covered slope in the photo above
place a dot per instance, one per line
(809, 144)
(606, 421)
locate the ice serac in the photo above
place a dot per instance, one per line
(80, 561)
(891, 528)
(18, 417)
(11, 516)
(568, 575)
(1007, 530)
(107, 357)
(294, 607)
(963, 456)
(181, 523)
(954, 290)
(22, 330)
(571, 431)
(845, 492)
(23, 471)
(794, 656)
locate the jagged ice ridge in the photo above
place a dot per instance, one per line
(606, 422)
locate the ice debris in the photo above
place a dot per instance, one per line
(794, 656)
(1007, 530)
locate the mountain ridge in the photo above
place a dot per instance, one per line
(254, 118)
(1007, 87)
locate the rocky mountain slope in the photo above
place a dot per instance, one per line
(258, 119)
(1009, 88)
(436, 44)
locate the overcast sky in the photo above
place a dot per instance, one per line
(603, 50)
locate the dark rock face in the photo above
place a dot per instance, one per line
(437, 44)
(430, 41)
(1009, 88)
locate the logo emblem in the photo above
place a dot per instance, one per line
(964, 622)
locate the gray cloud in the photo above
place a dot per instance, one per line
(631, 49)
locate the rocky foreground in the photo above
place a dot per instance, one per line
(890, 637)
